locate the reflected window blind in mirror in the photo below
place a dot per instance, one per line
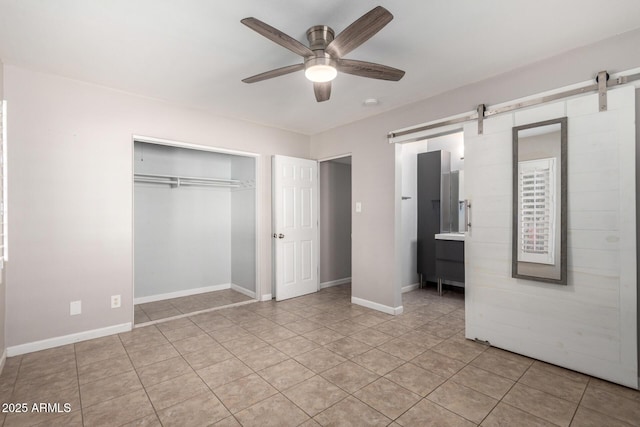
(537, 200)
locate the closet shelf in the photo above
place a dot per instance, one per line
(178, 181)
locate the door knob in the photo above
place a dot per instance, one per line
(280, 236)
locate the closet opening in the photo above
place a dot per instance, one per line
(195, 220)
(335, 224)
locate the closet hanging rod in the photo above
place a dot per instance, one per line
(192, 178)
(187, 183)
(178, 181)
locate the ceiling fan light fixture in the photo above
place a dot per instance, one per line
(320, 70)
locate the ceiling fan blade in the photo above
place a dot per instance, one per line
(277, 36)
(369, 69)
(361, 30)
(274, 73)
(322, 91)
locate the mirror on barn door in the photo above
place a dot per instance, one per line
(539, 248)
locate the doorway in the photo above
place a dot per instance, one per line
(432, 203)
(335, 224)
(195, 221)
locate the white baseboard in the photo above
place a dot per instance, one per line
(335, 282)
(2, 360)
(66, 339)
(266, 297)
(375, 306)
(410, 288)
(243, 291)
(178, 294)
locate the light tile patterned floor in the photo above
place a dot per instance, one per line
(167, 308)
(314, 360)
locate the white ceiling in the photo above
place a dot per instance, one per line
(195, 52)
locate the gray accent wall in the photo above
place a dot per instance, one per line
(335, 221)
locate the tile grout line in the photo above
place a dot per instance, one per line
(139, 379)
(75, 356)
(234, 356)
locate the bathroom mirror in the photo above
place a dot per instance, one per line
(453, 203)
(539, 247)
(451, 182)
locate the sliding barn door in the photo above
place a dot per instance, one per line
(295, 226)
(589, 325)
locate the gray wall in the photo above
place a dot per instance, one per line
(243, 225)
(71, 215)
(335, 221)
(374, 161)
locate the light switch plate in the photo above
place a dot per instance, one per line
(358, 207)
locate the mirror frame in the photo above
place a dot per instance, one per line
(562, 173)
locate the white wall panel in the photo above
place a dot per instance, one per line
(590, 324)
(539, 114)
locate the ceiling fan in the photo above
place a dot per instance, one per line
(324, 56)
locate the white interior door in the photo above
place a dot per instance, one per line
(295, 226)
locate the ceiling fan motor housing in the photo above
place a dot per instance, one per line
(319, 37)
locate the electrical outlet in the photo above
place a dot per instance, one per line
(115, 301)
(75, 308)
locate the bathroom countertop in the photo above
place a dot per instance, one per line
(450, 236)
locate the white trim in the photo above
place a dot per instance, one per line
(178, 294)
(17, 350)
(430, 133)
(338, 156)
(258, 222)
(243, 291)
(5, 186)
(258, 200)
(3, 359)
(337, 282)
(180, 316)
(172, 143)
(410, 288)
(375, 306)
(266, 297)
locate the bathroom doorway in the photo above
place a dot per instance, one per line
(335, 224)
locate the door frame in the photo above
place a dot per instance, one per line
(322, 160)
(258, 201)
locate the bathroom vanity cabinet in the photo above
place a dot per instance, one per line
(449, 259)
